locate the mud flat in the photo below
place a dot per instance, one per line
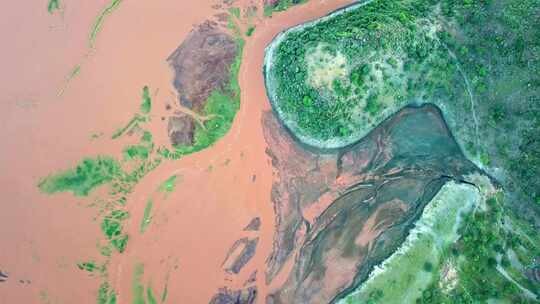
(406, 273)
(339, 214)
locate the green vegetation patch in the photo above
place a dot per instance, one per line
(142, 150)
(138, 119)
(224, 107)
(112, 225)
(146, 103)
(150, 295)
(135, 121)
(74, 72)
(98, 23)
(120, 176)
(53, 5)
(235, 11)
(169, 185)
(142, 295)
(165, 291)
(147, 216)
(106, 295)
(137, 152)
(88, 266)
(250, 30)
(85, 177)
(137, 287)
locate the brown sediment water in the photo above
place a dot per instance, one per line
(44, 236)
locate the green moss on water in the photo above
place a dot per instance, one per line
(98, 23)
(106, 294)
(147, 216)
(111, 228)
(165, 292)
(137, 288)
(145, 108)
(150, 295)
(120, 177)
(130, 125)
(105, 251)
(96, 135)
(136, 152)
(168, 185)
(119, 215)
(146, 104)
(250, 30)
(140, 151)
(120, 243)
(140, 294)
(74, 72)
(87, 266)
(89, 174)
(147, 137)
(235, 11)
(112, 225)
(53, 5)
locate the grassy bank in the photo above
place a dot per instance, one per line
(460, 251)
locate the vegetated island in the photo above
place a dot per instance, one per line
(206, 69)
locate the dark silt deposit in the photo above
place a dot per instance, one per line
(252, 278)
(227, 296)
(181, 129)
(3, 277)
(254, 224)
(201, 66)
(340, 213)
(240, 254)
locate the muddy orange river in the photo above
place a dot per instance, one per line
(220, 189)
